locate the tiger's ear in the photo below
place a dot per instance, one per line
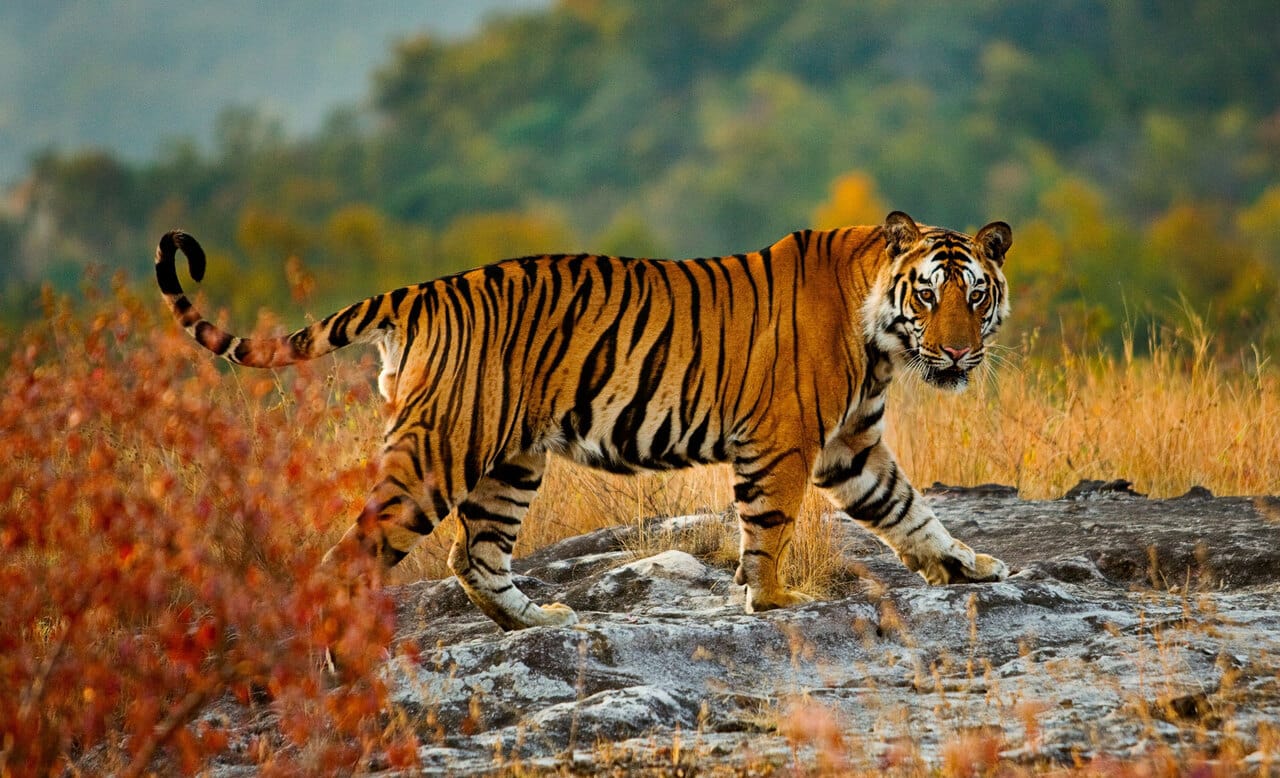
(995, 239)
(901, 231)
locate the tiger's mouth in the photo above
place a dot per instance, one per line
(953, 378)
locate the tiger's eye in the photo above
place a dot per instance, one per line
(925, 296)
(977, 296)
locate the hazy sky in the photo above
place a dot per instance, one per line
(128, 74)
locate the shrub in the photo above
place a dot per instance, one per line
(158, 552)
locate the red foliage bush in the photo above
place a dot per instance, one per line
(161, 524)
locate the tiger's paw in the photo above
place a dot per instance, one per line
(554, 615)
(958, 565)
(759, 602)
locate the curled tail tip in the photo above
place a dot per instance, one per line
(166, 252)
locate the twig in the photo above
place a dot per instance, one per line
(164, 730)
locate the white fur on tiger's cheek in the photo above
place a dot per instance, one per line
(878, 315)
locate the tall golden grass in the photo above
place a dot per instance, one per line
(1171, 419)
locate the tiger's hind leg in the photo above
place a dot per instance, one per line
(488, 523)
(404, 506)
(768, 489)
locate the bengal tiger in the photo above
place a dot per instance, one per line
(775, 362)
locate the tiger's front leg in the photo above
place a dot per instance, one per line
(768, 489)
(862, 478)
(488, 524)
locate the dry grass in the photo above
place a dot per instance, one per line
(1167, 422)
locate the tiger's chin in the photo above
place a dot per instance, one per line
(949, 379)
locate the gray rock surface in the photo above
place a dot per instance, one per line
(1128, 623)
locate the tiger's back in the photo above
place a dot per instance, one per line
(629, 364)
(767, 361)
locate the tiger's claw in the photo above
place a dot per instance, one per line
(759, 602)
(960, 565)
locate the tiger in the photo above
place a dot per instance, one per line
(775, 362)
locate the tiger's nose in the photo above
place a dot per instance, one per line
(956, 354)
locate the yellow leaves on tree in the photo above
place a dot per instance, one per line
(1259, 224)
(474, 240)
(853, 201)
(1215, 268)
(265, 234)
(357, 231)
(367, 252)
(1036, 270)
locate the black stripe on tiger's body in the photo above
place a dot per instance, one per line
(775, 362)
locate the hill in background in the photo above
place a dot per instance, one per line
(131, 76)
(1134, 147)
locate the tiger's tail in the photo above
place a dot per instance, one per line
(362, 321)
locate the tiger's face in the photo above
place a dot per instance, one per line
(944, 299)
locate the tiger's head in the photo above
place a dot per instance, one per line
(941, 300)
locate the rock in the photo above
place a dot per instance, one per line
(1083, 651)
(1096, 489)
(981, 490)
(1197, 493)
(617, 714)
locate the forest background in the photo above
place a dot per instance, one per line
(1134, 147)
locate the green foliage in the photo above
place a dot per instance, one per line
(1133, 146)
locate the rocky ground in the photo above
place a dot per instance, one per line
(1129, 623)
(1130, 626)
